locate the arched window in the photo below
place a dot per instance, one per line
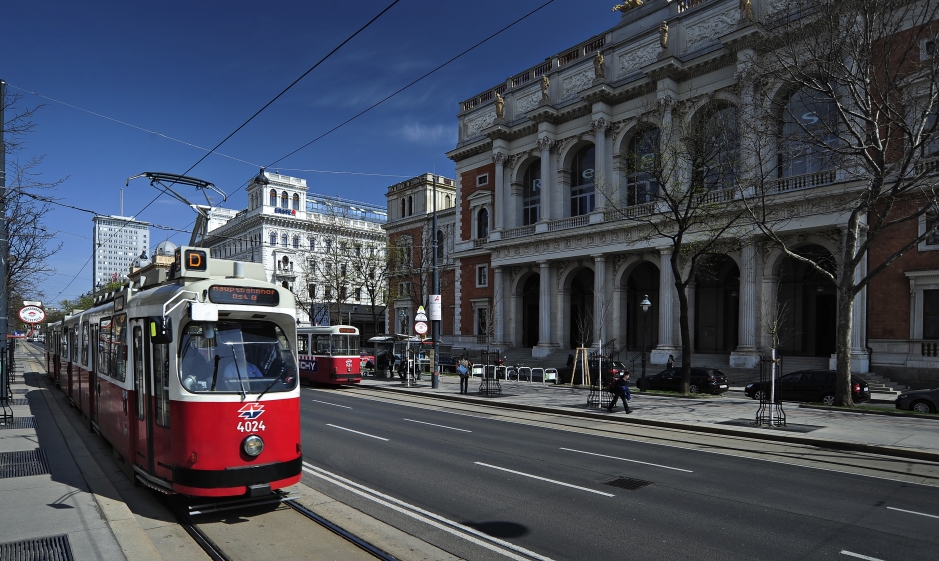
(312, 244)
(582, 177)
(809, 127)
(440, 240)
(273, 238)
(296, 201)
(403, 209)
(296, 242)
(531, 194)
(719, 149)
(482, 224)
(283, 240)
(284, 200)
(641, 158)
(273, 197)
(329, 244)
(410, 205)
(446, 203)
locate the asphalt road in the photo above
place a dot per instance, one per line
(441, 474)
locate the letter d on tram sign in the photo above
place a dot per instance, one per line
(434, 307)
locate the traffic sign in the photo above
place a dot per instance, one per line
(32, 314)
(420, 327)
(421, 315)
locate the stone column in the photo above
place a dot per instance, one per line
(601, 179)
(601, 305)
(666, 345)
(547, 182)
(498, 306)
(499, 200)
(514, 208)
(746, 354)
(860, 360)
(545, 317)
(770, 295)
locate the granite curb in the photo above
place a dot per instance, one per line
(892, 451)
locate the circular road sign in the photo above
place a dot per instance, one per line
(420, 327)
(32, 314)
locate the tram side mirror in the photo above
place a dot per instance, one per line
(161, 330)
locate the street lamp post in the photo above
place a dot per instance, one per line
(645, 304)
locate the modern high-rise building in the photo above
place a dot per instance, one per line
(118, 240)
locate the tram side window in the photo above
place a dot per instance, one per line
(63, 345)
(139, 385)
(116, 367)
(302, 345)
(73, 343)
(322, 345)
(85, 343)
(161, 384)
(104, 337)
(345, 345)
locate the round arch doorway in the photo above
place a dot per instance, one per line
(531, 304)
(807, 304)
(642, 281)
(717, 286)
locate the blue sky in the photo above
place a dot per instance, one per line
(194, 71)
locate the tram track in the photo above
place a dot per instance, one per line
(250, 532)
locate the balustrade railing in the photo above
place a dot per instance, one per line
(928, 167)
(479, 242)
(518, 232)
(634, 211)
(565, 223)
(929, 348)
(718, 196)
(806, 181)
(688, 4)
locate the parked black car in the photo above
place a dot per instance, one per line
(921, 401)
(810, 385)
(703, 380)
(447, 364)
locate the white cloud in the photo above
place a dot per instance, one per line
(433, 134)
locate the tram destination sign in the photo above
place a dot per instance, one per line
(249, 295)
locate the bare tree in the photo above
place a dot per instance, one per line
(681, 186)
(371, 267)
(31, 245)
(851, 91)
(411, 268)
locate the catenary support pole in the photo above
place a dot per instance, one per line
(435, 324)
(4, 242)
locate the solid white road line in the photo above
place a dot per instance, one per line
(626, 460)
(356, 432)
(333, 404)
(913, 512)
(545, 479)
(471, 535)
(436, 425)
(859, 556)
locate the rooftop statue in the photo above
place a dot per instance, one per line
(500, 107)
(663, 35)
(746, 9)
(598, 71)
(545, 83)
(626, 6)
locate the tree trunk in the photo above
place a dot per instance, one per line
(683, 326)
(843, 344)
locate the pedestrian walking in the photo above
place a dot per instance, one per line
(464, 369)
(671, 361)
(570, 360)
(620, 389)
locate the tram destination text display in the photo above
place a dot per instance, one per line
(220, 294)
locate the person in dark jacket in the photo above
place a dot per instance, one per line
(570, 360)
(671, 361)
(621, 391)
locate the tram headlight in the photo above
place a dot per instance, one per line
(253, 445)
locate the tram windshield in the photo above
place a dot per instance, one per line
(232, 356)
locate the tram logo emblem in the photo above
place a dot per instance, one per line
(251, 411)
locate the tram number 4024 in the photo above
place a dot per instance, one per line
(250, 426)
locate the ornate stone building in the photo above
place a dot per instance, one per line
(549, 195)
(298, 235)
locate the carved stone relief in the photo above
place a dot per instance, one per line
(526, 102)
(636, 58)
(574, 83)
(711, 28)
(478, 123)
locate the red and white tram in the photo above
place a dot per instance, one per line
(191, 376)
(329, 354)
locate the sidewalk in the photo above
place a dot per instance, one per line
(732, 414)
(48, 502)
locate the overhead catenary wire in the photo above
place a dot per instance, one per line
(258, 112)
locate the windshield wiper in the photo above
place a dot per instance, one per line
(283, 370)
(215, 372)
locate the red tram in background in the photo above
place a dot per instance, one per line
(329, 354)
(191, 375)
